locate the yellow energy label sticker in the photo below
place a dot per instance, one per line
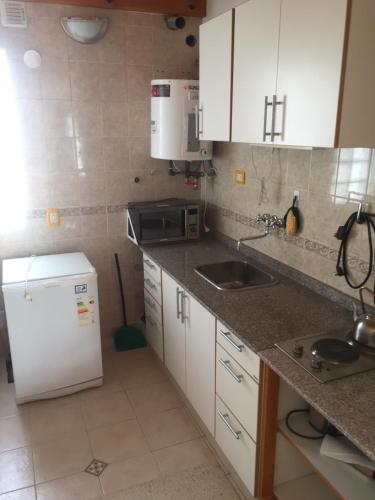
(86, 309)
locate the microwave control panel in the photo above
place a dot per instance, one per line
(192, 223)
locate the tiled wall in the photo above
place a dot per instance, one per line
(75, 134)
(326, 180)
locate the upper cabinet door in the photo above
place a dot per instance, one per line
(215, 67)
(309, 74)
(256, 40)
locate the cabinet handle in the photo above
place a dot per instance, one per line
(149, 283)
(149, 264)
(179, 312)
(224, 417)
(183, 315)
(226, 364)
(200, 120)
(266, 104)
(196, 112)
(150, 303)
(275, 103)
(227, 336)
(152, 322)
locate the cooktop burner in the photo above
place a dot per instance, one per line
(334, 351)
(329, 356)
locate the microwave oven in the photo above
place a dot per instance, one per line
(163, 221)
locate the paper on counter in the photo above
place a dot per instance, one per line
(340, 448)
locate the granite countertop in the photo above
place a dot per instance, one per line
(348, 403)
(260, 317)
(263, 316)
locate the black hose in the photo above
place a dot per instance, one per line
(343, 234)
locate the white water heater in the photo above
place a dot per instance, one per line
(175, 121)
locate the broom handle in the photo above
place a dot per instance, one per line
(121, 288)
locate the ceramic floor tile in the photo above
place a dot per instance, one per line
(121, 475)
(24, 494)
(80, 486)
(168, 428)
(206, 482)
(118, 441)
(48, 423)
(61, 457)
(16, 469)
(184, 456)
(155, 398)
(106, 408)
(135, 376)
(50, 403)
(140, 359)
(14, 432)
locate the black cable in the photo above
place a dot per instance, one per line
(298, 433)
(343, 234)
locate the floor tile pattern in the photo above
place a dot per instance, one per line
(132, 438)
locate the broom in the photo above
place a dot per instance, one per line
(127, 337)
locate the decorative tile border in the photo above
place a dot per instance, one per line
(40, 213)
(322, 250)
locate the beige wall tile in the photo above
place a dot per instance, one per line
(91, 189)
(116, 153)
(139, 78)
(58, 118)
(90, 155)
(54, 79)
(113, 85)
(111, 49)
(115, 119)
(88, 121)
(83, 76)
(60, 153)
(65, 190)
(139, 124)
(25, 81)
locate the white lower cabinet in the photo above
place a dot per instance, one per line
(153, 307)
(189, 333)
(235, 386)
(236, 444)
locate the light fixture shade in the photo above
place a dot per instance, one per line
(85, 30)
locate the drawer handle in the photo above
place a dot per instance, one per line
(149, 283)
(152, 322)
(149, 264)
(226, 364)
(225, 418)
(232, 342)
(150, 303)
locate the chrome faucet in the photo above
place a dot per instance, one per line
(270, 222)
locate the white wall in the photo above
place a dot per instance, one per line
(216, 7)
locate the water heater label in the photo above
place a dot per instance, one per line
(153, 127)
(161, 90)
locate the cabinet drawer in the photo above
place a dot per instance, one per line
(241, 353)
(153, 307)
(238, 390)
(154, 334)
(151, 268)
(152, 286)
(236, 444)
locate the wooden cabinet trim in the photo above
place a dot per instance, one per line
(190, 8)
(267, 432)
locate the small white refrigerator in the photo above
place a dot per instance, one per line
(52, 312)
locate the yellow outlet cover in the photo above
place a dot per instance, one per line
(239, 176)
(53, 217)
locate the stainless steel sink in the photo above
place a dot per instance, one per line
(235, 275)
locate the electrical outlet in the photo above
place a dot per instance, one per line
(239, 177)
(53, 217)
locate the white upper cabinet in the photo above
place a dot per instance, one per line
(256, 41)
(303, 74)
(311, 48)
(215, 66)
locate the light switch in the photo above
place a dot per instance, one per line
(53, 217)
(239, 177)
